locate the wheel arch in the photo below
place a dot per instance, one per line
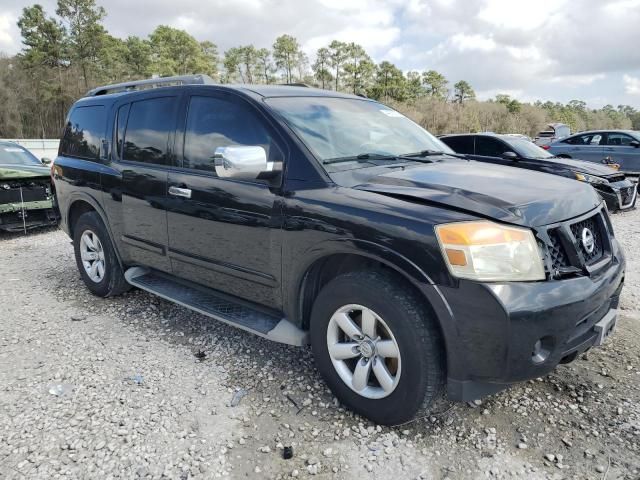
(328, 263)
(80, 204)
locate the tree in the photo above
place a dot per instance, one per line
(302, 65)
(337, 55)
(513, 105)
(435, 84)
(358, 68)
(388, 83)
(44, 39)
(175, 52)
(210, 55)
(321, 66)
(248, 56)
(414, 88)
(233, 65)
(138, 57)
(263, 57)
(86, 33)
(286, 52)
(462, 91)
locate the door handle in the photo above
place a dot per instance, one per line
(180, 192)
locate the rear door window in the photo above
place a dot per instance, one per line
(148, 136)
(490, 147)
(619, 139)
(460, 144)
(84, 132)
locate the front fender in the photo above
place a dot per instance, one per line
(386, 256)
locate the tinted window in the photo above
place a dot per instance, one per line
(462, 144)
(213, 123)
(121, 123)
(84, 132)
(490, 147)
(150, 130)
(586, 139)
(619, 139)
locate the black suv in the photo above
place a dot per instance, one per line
(618, 191)
(308, 216)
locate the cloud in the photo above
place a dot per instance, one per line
(8, 37)
(549, 49)
(631, 84)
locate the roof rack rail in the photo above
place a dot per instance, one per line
(295, 84)
(199, 79)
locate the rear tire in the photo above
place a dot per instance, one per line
(393, 389)
(96, 258)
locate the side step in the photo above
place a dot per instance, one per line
(217, 305)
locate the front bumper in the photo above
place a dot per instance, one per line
(620, 195)
(16, 217)
(498, 326)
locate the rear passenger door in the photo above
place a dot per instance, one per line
(619, 148)
(144, 143)
(225, 233)
(587, 146)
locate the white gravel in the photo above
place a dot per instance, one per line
(94, 388)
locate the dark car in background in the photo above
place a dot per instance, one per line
(619, 192)
(621, 147)
(25, 190)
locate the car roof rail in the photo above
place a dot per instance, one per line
(295, 84)
(199, 79)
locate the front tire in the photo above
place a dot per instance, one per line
(96, 257)
(377, 346)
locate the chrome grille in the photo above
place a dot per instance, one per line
(593, 226)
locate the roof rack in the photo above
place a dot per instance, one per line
(295, 84)
(199, 79)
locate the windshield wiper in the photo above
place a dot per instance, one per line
(422, 154)
(361, 157)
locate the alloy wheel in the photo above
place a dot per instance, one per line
(92, 255)
(364, 351)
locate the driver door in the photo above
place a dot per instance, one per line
(224, 233)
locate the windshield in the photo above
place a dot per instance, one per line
(527, 149)
(344, 128)
(15, 155)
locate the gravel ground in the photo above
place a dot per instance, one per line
(136, 387)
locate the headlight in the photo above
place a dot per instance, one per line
(585, 177)
(490, 252)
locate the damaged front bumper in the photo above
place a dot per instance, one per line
(20, 216)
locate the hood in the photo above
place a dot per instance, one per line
(512, 195)
(582, 166)
(15, 172)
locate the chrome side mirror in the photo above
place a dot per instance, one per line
(241, 162)
(510, 156)
(46, 161)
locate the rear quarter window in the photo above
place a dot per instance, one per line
(84, 132)
(462, 145)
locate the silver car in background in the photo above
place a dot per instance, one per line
(556, 131)
(602, 146)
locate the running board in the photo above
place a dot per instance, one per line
(217, 305)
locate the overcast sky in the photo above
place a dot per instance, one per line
(531, 49)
